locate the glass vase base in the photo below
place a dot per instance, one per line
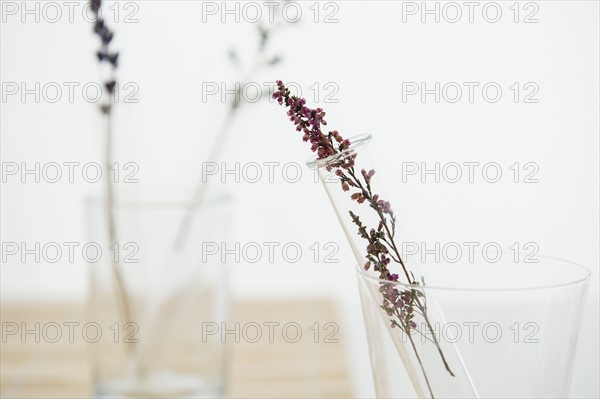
(159, 385)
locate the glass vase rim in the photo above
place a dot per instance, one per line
(356, 142)
(586, 276)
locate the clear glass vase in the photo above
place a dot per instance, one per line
(154, 294)
(432, 367)
(515, 325)
(411, 322)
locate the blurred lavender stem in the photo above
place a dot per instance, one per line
(104, 55)
(223, 132)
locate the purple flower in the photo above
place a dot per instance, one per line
(310, 122)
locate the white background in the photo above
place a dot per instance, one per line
(367, 54)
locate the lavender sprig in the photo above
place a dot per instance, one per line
(106, 55)
(400, 305)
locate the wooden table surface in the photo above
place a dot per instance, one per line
(258, 370)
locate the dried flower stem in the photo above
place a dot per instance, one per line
(262, 61)
(112, 234)
(367, 193)
(384, 272)
(104, 55)
(402, 305)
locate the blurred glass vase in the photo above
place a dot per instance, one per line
(153, 291)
